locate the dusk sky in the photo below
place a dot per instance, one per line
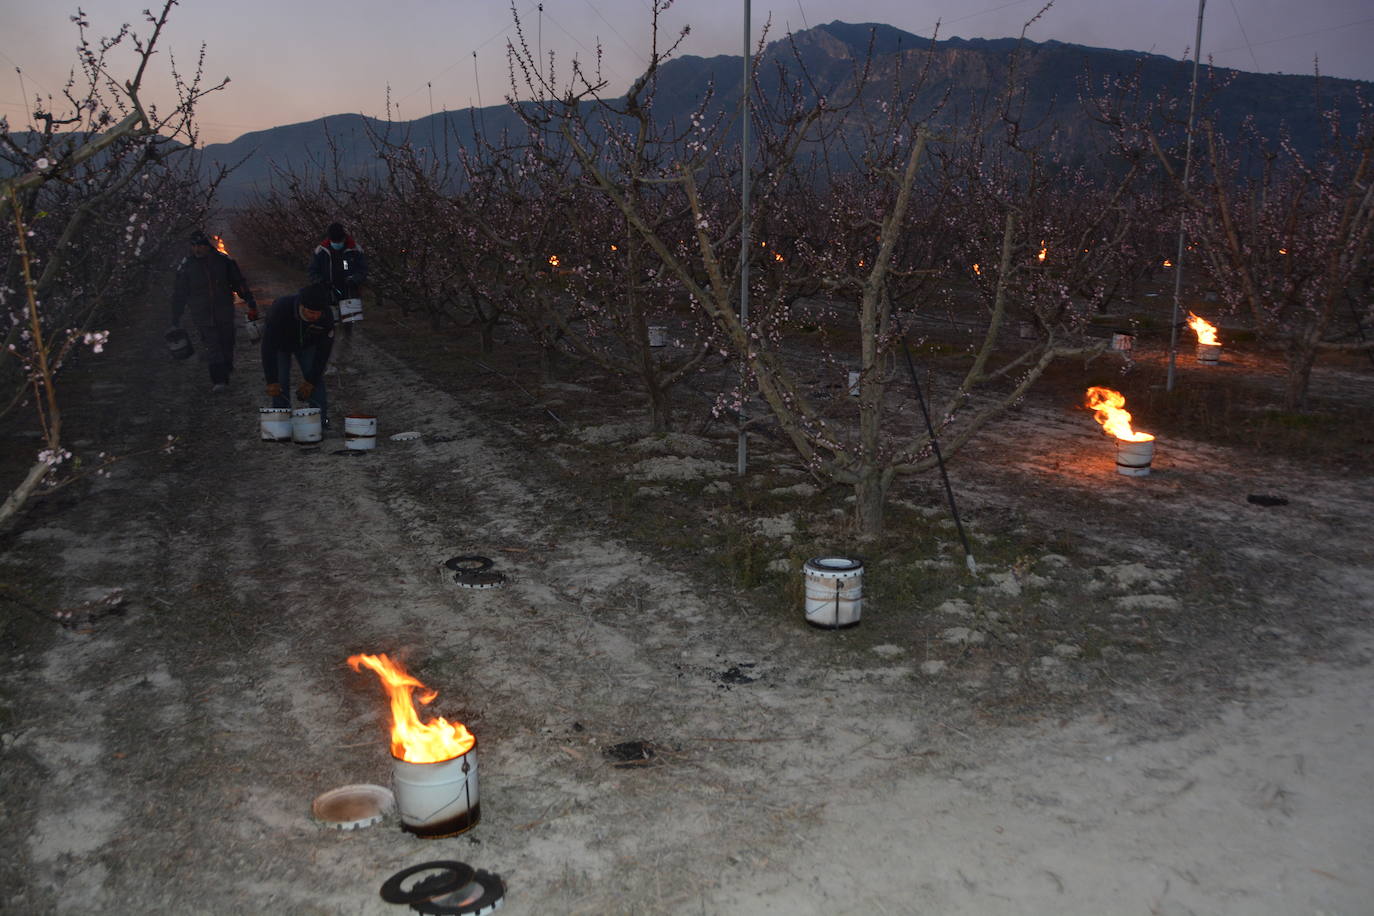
(291, 61)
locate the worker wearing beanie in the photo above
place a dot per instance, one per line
(301, 326)
(205, 284)
(339, 263)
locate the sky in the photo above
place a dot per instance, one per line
(291, 61)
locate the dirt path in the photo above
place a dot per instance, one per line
(165, 761)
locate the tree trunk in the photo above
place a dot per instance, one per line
(1300, 361)
(870, 495)
(660, 410)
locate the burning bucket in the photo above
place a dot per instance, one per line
(275, 424)
(834, 591)
(437, 799)
(1133, 458)
(306, 425)
(1209, 354)
(360, 431)
(351, 309)
(434, 774)
(658, 335)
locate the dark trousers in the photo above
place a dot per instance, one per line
(306, 360)
(217, 343)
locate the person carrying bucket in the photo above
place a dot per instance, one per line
(300, 326)
(205, 284)
(338, 261)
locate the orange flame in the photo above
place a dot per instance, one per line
(1206, 331)
(1168, 263)
(219, 243)
(977, 271)
(553, 260)
(1107, 406)
(412, 740)
(776, 256)
(1043, 250)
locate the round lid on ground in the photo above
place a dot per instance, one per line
(352, 807)
(405, 436)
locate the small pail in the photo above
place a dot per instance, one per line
(351, 309)
(1209, 353)
(437, 799)
(834, 591)
(360, 431)
(178, 343)
(658, 335)
(305, 425)
(1123, 341)
(853, 384)
(255, 329)
(1025, 330)
(334, 310)
(1133, 458)
(275, 423)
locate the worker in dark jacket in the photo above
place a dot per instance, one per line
(300, 325)
(205, 284)
(338, 261)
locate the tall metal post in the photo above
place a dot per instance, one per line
(743, 454)
(1187, 172)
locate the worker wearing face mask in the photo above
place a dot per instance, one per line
(339, 263)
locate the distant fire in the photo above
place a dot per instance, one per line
(1043, 251)
(1108, 407)
(977, 271)
(412, 740)
(1206, 331)
(553, 260)
(219, 243)
(1168, 263)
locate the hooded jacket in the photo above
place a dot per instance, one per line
(336, 268)
(205, 287)
(285, 331)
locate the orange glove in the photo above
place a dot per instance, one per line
(304, 390)
(274, 390)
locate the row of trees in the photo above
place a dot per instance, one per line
(93, 190)
(872, 212)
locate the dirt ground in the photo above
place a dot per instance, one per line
(1154, 698)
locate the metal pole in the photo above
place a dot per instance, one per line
(1187, 172)
(743, 454)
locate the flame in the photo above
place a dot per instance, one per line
(219, 243)
(1206, 331)
(1283, 251)
(1168, 263)
(1108, 410)
(412, 740)
(776, 256)
(1043, 250)
(553, 260)
(613, 248)
(976, 270)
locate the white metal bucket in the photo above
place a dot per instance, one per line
(274, 423)
(351, 309)
(437, 799)
(834, 591)
(255, 329)
(1025, 330)
(1123, 342)
(658, 335)
(1133, 458)
(1209, 353)
(306, 425)
(853, 384)
(360, 431)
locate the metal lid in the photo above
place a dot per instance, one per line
(353, 807)
(405, 436)
(836, 567)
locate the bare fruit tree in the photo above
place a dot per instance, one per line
(101, 181)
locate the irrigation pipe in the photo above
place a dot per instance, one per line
(940, 460)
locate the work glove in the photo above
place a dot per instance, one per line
(274, 390)
(305, 390)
